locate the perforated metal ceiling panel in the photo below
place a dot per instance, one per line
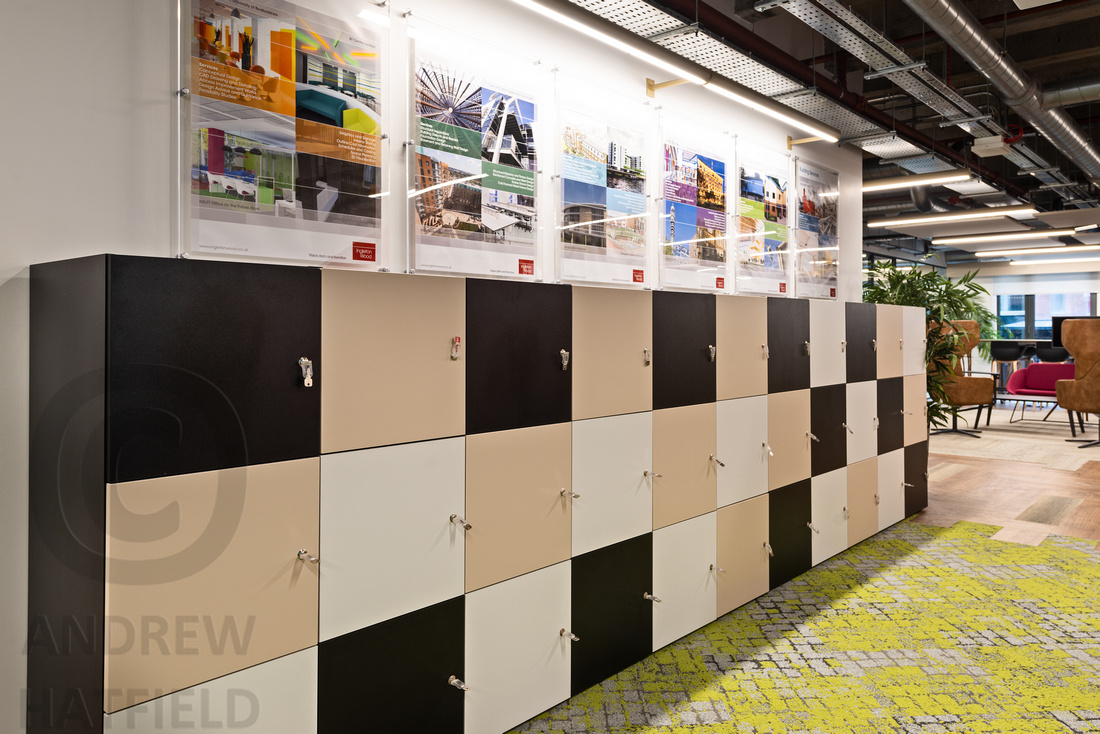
(720, 58)
(820, 107)
(634, 15)
(889, 146)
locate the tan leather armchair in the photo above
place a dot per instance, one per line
(965, 390)
(1081, 337)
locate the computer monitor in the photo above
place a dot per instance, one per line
(1056, 327)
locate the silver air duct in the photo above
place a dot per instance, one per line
(1078, 91)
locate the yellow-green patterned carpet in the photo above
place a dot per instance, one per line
(918, 629)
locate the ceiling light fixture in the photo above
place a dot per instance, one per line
(1003, 237)
(1085, 227)
(923, 179)
(607, 32)
(1057, 262)
(985, 213)
(1038, 251)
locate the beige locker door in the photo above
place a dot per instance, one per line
(686, 483)
(612, 352)
(862, 500)
(387, 342)
(203, 575)
(518, 504)
(788, 438)
(891, 340)
(914, 327)
(742, 365)
(742, 553)
(916, 407)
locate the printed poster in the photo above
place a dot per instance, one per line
(762, 224)
(475, 166)
(693, 220)
(816, 244)
(285, 134)
(602, 228)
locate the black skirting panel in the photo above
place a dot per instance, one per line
(828, 410)
(891, 414)
(788, 336)
(684, 330)
(860, 333)
(789, 532)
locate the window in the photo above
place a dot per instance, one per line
(1029, 316)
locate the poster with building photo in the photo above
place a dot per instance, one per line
(762, 222)
(285, 134)
(475, 165)
(693, 220)
(817, 248)
(602, 227)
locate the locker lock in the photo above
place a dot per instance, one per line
(647, 595)
(874, 420)
(907, 412)
(901, 344)
(768, 548)
(811, 526)
(717, 461)
(307, 371)
(650, 473)
(874, 345)
(845, 511)
(458, 684)
(648, 356)
(843, 345)
(304, 555)
(905, 484)
(767, 448)
(456, 345)
(564, 359)
(461, 522)
(807, 348)
(813, 438)
(713, 352)
(571, 495)
(719, 569)
(563, 632)
(847, 427)
(767, 352)
(878, 500)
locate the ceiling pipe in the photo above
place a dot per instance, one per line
(1078, 91)
(958, 27)
(743, 39)
(925, 202)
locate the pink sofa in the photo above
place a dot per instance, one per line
(1036, 383)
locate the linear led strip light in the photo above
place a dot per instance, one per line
(985, 213)
(1031, 234)
(922, 179)
(604, 31)
(1057, 262)
(1062, 250)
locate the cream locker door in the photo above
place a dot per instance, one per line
(204, 576)
(276, 697)
(829, 514)
(390, 545)
(914, 325)
(742, 553)
(890, 338)
(518, 502)
(914, 388)
(517, 659)
(742, 439)
(742, 334)
(862, 500)
(684, 440)
(828, 362)
(789, 437)
(891, 488)
(862, 413)
(392, 371)
(684, 578)
(612, 464)
(612, 352)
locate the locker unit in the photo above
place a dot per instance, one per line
(788, 438)
(891, 488)
(916, 478)
(790, 513)
(742, 333)
(742, 445)
(788, 344)
(742, 550)
(890, 338)
(685, 350)
(828, 413)
(861, 419)
(829, 514)
(916, 408)
(685, 464)
(828, 361)
(613, 352)
(862, 337)
(518, 371)
(891, 414)
(914, 326)
(684, 578)
(863, 500)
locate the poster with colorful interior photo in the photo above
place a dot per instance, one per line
(762, 223)
(816, 245)
(285, 135)
(475, 166)
(602, 224)
(693, 220)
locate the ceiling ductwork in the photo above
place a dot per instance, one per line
(962, 31)
(1080, 91)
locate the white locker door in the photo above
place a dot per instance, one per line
(891, 488)
(861, 413)
(914, 325)
(517, 659)
(742, 434)
(277, 697)
(610, 459)
(828, 363)
(388, 545)
(683, 578)
(829, 514)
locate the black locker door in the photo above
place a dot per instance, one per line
(789, 514)
(891, 414)
(203, 362)
(609, 613)
(514, 375)
(916, 478)
(861, 332)
(828, 409)
(788, 335)
(684, 331)
(393, 676)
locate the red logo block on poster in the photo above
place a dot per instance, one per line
(720, 283)
(782, 287)
(526, 267)
(639, 276)
(365, 251)
(832, 293)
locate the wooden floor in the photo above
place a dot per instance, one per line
(1030, 501)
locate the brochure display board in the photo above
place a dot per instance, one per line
(762, 222)
(602, 222)
(474, 171)
(285, 137)
(816, 245)
(693, 220)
